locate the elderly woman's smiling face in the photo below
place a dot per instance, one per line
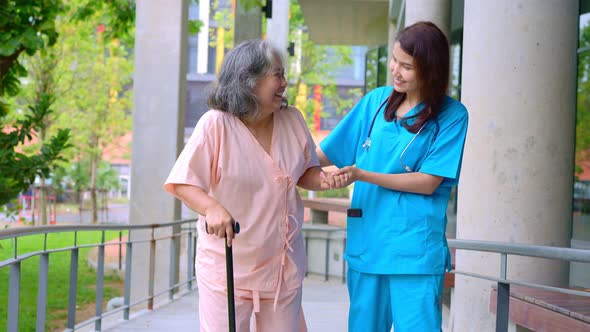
(270, 89)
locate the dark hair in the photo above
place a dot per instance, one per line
(429, 47)
(242, 68)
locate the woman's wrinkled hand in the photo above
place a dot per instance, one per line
(220, 222)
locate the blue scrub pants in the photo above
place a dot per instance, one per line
(411, 302)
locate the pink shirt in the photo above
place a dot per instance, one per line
(259, 190)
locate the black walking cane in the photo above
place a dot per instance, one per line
(229, 267)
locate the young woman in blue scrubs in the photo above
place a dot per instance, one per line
(402, 146)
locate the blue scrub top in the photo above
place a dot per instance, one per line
(399, 232)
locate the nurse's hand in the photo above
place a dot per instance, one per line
(334, 181)
(219, 222)
(346, 175)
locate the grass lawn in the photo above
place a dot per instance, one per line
(58, 283)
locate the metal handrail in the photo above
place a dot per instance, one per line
(503, 283)
(38, 253)
(530, 250)
(24, 231)
(503, 249)
(15, 268)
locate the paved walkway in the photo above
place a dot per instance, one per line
(325, 305)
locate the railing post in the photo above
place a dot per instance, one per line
(327, 268)
(152, 272)
(120, 250)
(73, 289)
(306, 250)
(172, 271)
(503, 298)
(128, 261)
(343, 260)
(189, 262)
(99, 285)
(194, 254)
(42, 292)
(13, 297)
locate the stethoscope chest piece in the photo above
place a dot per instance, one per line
(367, 144)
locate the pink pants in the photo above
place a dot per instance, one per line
(288, 316)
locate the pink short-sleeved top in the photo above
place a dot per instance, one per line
(259, 190)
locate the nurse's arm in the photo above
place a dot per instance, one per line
(324, 161)
(416, 182)
(219, 220)
(315, 179)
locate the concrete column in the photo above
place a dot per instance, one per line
(390, 41)
(158, 128)
(392, 26)
(277, 27)
(436, 11)
(203, 41)
(519, 85)
(247, 23)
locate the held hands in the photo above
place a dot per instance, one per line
(220, 222)
(340, 178)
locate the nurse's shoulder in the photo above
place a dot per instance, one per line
(379, 94)
(367, 106)
(452, 111)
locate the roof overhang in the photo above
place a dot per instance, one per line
(347, 22)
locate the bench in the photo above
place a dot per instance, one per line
(332, 239)
(320, 207)
(544, 310)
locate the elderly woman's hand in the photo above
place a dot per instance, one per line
(219, 222)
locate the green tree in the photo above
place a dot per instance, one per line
(98, 103)
(315, 64)
(27, 26)
(41, 84)
(583, 102)
(224, 18)
(76, 177)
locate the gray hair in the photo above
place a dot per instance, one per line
(242, 68)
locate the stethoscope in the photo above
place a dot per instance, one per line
(367, 143)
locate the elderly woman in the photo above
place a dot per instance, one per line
(242, 162)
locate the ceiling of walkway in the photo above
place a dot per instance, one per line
(346, 22)
(364, 22)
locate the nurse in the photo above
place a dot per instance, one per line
(403, 146)
(243, 162)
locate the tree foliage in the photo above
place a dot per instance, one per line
(19, 170)
(27, 26)
(583, 102)
(97, 103)
(316, 64)
(116, 16)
